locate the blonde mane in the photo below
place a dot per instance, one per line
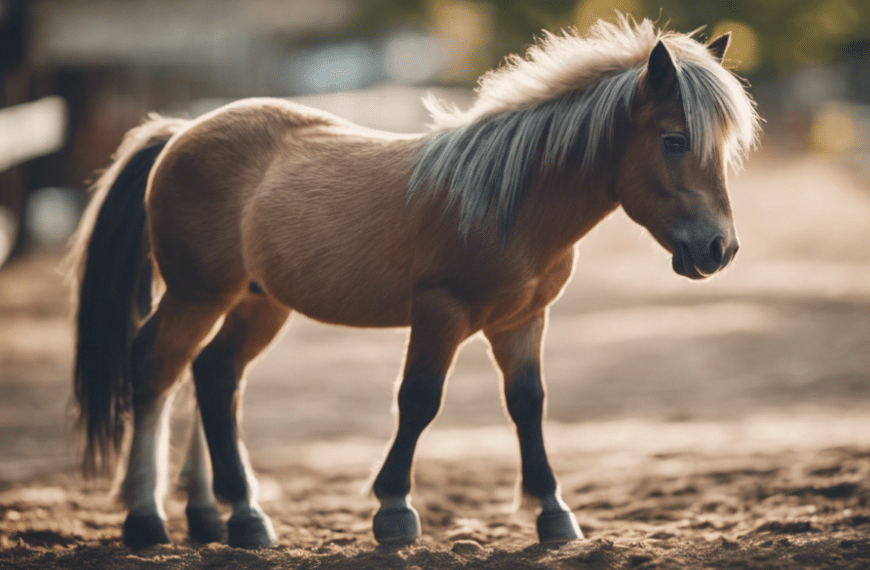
(563, 98)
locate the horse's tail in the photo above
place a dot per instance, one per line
(110, 269)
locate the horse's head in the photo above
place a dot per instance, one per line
(669, 180)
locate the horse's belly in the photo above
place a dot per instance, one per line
(356, 278)
(359, 299)
(330, 239)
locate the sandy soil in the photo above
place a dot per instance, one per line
(716, 425)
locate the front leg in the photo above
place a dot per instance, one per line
(518, 354)
(439, 325)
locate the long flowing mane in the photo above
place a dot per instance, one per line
(562, 99)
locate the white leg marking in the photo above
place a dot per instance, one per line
(144, 486)
(197, 471)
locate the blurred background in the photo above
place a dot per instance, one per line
(787, 328)
(75, 75)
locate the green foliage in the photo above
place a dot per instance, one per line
(789, 33)
(517, 22)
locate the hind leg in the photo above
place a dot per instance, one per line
(218, 374)
(160, 353)
(517, 353)
(204, 522)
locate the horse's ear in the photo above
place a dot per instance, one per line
(660, 70)
(719, 46)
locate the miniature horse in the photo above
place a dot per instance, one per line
(264, 207)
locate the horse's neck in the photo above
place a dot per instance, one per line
(560, 209)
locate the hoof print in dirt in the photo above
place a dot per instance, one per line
(251, 530)
(205, 525)
(468, 548)
(144, 530)
(396, 526)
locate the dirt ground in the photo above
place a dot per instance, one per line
(724, 424)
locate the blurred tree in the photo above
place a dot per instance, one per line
(517, 22)
(782, 34)
(790, 33)
(378, 17)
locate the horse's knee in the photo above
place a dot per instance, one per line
(420, 397)
(524, 396)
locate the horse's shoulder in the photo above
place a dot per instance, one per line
(553, 280)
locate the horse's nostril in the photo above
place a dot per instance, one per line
(730, 252)
(717, 250)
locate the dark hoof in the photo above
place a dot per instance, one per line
(250, 529)
(144, 530)
(204, 524)
(558, 526)
(396, 525)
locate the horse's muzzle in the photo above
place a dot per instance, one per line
(701, 258)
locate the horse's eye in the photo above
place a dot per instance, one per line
(675, 144)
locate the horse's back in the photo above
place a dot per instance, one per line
(306, 204)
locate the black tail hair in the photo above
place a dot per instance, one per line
(112, 259)
(110, 266)
(112, 286)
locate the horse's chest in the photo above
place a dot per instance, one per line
(515, 303)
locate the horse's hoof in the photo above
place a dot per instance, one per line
(396, 525)
(558, 526)
(144, 530)
(204, 524)
(251, 529)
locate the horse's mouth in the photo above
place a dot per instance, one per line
(683, 265)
